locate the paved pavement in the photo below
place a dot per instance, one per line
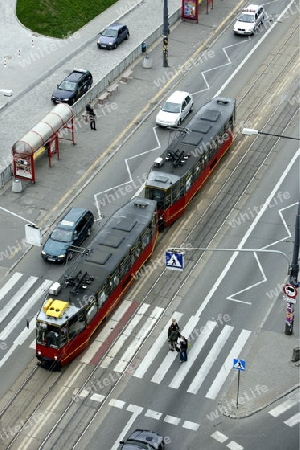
(269, 360)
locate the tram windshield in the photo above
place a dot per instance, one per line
(50, 335)
(156, 194)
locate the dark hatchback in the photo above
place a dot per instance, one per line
(143, 439)
(74, 86)
(72, 230)
(112, 36)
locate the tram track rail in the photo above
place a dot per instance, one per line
(198, 231)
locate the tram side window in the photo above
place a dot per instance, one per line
(91, 311)
(102, 296)
(175, 191)
(125, 266)
(135, 251)
(146, 237)
(76, 325)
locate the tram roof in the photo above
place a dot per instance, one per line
(192, 142)
(107, 250)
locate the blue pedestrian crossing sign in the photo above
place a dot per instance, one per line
(174, 260)
(239, 364)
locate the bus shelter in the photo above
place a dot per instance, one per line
(43, 138)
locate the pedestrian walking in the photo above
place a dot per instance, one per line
(92, 115)
(173, 334)
(183, 345)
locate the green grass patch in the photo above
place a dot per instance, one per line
(59, 18)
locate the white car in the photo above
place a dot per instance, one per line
(175, 109)
(249, 20)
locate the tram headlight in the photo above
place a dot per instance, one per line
(55, 357)
(39, 352)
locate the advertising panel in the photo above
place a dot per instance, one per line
(190, 9)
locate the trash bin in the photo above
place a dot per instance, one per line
(147, 62)
(296, 354)
(17, 186)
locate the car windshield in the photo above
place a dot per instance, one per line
(67, 86)
(246, 18)
(171, 107)
(110, 32)
(61, 235)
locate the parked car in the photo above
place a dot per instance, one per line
(249, 21)
(113, 36)
(72, 230)
(143, 439)
(73, 87)
(175, 109)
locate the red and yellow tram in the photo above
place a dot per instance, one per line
(79, 302)
(192, 156)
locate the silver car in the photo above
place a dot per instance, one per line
(249, 20)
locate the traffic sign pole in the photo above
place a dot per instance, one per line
(238, 388)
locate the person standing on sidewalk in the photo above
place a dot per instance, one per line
(173, 334)
(92, 115)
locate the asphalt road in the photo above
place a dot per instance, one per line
(177, 413)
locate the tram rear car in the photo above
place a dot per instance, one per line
(192, 156)
(78, 303)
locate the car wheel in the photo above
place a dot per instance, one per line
(70, 256)
(88, 233)
(115, 46)
(179, 122)
(127, 36)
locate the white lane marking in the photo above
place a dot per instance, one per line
(17, 297)
(257, 218)
(97, 397)
(264, 279)
(117, 403)
(234, 446)
(136, 411)
(210, 360)
(9, 284)
(294, 420)
(153, 351)
(236, 71)
(143, 333)
(218, 436)
(153, 414)
(128, 331)
(192, 355)
(285, 406)
(190, 425)
(172, 420)
(18, 341)
(227, 366)
(21, 315)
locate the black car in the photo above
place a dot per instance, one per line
(73, 87)
(112, 36)
(72, 230)
(143, 439)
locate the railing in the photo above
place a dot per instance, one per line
(7, 173)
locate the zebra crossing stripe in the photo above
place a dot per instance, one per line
(18, 341)
(210, 360)
(193, 354)
(294, 420)
(153, 351)
(131, 350)
(227, 366)
(9, 285)
(17, 297)
(25, 308)
(286, 405)
(124, 336)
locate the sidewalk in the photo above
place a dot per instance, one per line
(269, 361)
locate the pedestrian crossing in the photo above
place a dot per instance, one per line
(118, 347)
(283, 409)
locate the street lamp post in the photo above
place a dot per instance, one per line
(250, 131)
